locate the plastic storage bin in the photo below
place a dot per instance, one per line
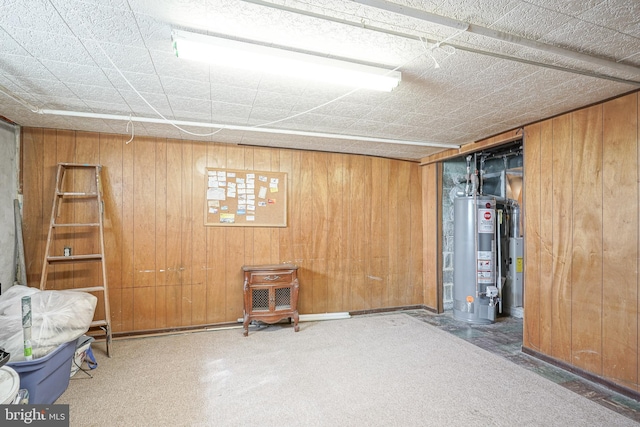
(46, 378)
(9, 385)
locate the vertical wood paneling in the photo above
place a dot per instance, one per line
(263, 247)
(532, 244)
(186, 228)
(562, 171)
(586, 292)
(378, 258)
(304, 257)
(111, 155)
(375, 275)
(594, 301)
(286, 236)
(32, 206)
(144, 234)
(404, 284)
(216, 274)
(368, 217)
(620, 241)
(431, 241)
(394, 221)
(126, 304)
(86, 240)
(336, 237)
(415, 251)
(65, 152)
(546, 236)
(175, 266)
(357, 238)
(319, 248)
(161, 232)
(48, 187)
(199, 236)
(351, 227)
(235, 249)
(274, 233)
(346, 260)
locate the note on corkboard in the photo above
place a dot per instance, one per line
(245, 198)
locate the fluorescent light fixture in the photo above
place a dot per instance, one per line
(281, 62)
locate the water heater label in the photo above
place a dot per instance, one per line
(485, 277)
(485, 220)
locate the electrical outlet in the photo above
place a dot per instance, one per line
(67, 251)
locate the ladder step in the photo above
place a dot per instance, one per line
(89, 289)
(78, 165)
(74, 258)
(74, 194)
(99, 323)
(86, 224)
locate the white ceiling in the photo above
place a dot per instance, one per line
(115, 57)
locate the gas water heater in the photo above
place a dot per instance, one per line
(475, 294)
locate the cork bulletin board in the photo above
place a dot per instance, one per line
(245, 198)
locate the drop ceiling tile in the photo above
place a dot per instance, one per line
(53, 46)
(61, 103)
(593, 39)
(230, 109)
(196, 89)
(613, 13)
(149, 83)
(333, 124)
(192, 115)
(262, 115)
(366, 127)
(480, 12)
(98, 22)
(96, 93)
(233, 95)
(538, 21)
(119, 57)
(190, 104)
(38, 15)
(9, 43)
(568, 7)
(273, 99)
(167, 65)
(394, 131)
(37, 87)
(24, 67)
(77, 73)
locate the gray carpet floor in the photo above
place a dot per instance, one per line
(376, 370)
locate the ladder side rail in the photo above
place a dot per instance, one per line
(105, 294)
(54, 209)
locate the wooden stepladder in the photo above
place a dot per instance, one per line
(77, 226)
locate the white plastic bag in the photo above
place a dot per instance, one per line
(57, 317)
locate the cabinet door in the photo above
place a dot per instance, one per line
(260, 299)
(282, 298)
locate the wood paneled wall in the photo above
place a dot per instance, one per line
(581, 221)
(432, 231)
(354, 227)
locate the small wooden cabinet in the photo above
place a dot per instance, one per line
(270, 294)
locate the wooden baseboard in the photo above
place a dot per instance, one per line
(632, 394)
(391, 309)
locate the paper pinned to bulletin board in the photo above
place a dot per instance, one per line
(245, 198)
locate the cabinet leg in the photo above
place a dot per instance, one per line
(296, 328)
(245, 325)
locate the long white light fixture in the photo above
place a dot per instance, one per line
(281, 62)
